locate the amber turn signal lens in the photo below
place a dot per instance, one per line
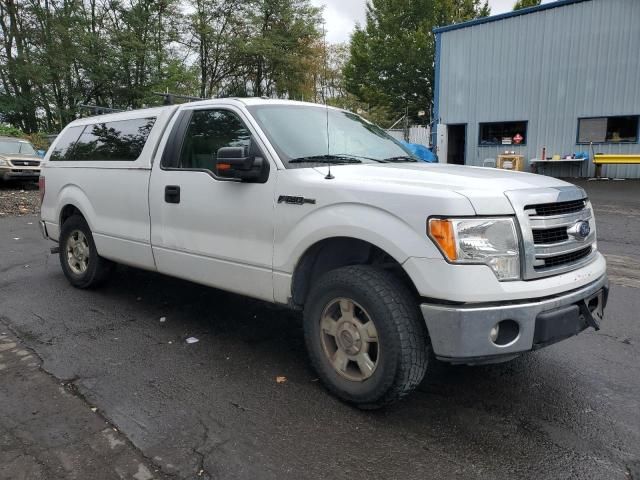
(441, 231)
(224, 166)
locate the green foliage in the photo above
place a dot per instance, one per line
(520, 4)
(9, 131)
(282, 33)
(392, 55)
(37, 139)
(56, 55)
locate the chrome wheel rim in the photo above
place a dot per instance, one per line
(78, 252)
(349, 339)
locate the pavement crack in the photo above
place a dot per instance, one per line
(623, 340)
(201, 452)
(71, 386)
(240, 407)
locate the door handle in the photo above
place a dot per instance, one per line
(172, 194)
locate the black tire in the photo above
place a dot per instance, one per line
(401, 332)
(97, 268)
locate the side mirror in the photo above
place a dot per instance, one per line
(240, 163)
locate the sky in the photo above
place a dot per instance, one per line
(342, 15)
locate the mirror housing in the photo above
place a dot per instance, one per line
(242, 164)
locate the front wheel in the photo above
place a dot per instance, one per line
(365, 336)
(79, 258)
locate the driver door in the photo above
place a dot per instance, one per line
(205, 228)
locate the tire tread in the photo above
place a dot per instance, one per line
(413, 352)
(96, 274)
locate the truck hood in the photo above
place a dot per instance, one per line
(484, 187)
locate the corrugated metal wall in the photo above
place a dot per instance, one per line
(549, 68)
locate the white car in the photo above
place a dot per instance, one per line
(394, 262)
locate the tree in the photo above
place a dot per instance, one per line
(56, 55)
(18, 99)
(520, 4)
(282, 35)
(217, 33)
(392, 56)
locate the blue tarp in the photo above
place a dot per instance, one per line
(420, 151)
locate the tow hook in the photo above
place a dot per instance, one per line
(589, 318)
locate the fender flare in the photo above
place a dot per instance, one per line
(72, 194)
(382, 229)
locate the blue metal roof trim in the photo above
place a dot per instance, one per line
(502, 16)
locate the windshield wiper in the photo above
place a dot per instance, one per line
(402, 158)
(333, 159)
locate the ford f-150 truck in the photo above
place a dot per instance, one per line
(394, 263)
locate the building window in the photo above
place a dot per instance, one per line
(621, 129)
(503, 133)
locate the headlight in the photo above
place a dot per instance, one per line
(489, 241)
(3, 162)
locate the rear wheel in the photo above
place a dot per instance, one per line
(365, 336)
(79, 258)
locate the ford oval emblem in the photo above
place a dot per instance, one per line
(584, 229)
(580, 230)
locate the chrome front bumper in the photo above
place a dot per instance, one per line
(461, 333)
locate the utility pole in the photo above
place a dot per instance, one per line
(406, 123)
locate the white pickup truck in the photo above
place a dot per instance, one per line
(394, 262)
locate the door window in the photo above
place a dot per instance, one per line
(208, 132)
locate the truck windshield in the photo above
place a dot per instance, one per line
(299, 135)
(16, 147)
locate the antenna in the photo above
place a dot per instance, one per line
(323, 85)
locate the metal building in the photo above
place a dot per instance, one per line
(558, 76)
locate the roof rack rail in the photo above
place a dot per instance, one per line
(169, 97)
(99, 109)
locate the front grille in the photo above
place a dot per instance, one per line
(551, 235)
(558, 208)
(548, 218)
(565, 258)
(25, 163)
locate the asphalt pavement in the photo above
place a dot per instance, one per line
(119, 358)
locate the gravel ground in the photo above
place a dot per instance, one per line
(17, 199)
